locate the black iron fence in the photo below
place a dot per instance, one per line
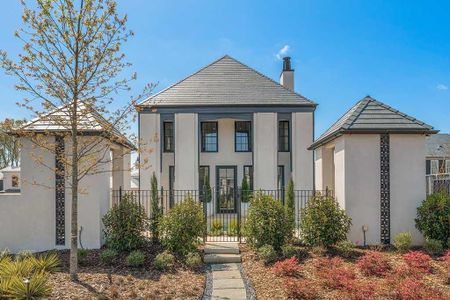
(225, 209)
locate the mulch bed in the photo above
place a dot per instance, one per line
(119, 281)
(269, 286)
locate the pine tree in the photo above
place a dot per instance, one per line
(155, 210)
(290, 203)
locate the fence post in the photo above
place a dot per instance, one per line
(239, 201)
(205, 212)
(120, 194)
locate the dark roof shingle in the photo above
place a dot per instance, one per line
(372, 116)
(226, 81)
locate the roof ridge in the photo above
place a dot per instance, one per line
(184, 79)
(360, 107)
(412, 119)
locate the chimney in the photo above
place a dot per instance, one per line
(287, 75)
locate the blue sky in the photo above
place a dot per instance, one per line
(398, 53)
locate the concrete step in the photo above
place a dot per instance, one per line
(222, 248)
(222, 258)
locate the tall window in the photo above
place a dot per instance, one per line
(248, 173)
(169, 142)
(447, 166)
(171, 185)
(209, 136)
(283, 136)
(280, 177)
(242, 136)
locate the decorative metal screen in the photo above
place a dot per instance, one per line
(60, 193)
(385, 191)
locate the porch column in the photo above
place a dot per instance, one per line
(150, 148)
(186, 151)
(265, 153)
(302, 158)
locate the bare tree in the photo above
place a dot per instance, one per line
(9, 145)
(71, 67)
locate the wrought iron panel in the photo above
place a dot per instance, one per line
(60, 191)
(385, 190)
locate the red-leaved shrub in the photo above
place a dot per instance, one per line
(287, 267)
(418, 261)
(446, 256)
(334, 273)
(413, 289)
(358, 290)
(300, 289)
(373, 263)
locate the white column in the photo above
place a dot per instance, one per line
(121, 159)
(265, 153)
(186, 151)
(302, 158)
(150, 149)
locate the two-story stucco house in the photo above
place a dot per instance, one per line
(224, 122)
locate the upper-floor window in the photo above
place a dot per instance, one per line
(242, 136)
(283, 136)
(169, 141)
(434, 166)
(209, 136)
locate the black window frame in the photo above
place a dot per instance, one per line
(168, 147)
(282, 145)
(249, 136)
(203, 137)
(201, 187)
(250, 181)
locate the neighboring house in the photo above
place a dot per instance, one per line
(373, 158)
(224, 122)
(38, 218)
(11, 180)
(438, 154)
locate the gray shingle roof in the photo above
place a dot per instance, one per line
(89, 120)
(226, 81)
(438, 145)
(372, 116)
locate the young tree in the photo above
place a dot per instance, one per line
(71, 66)
(245, 190)
(9, 145)
(290, 203)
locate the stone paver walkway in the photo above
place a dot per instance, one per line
(227, 282)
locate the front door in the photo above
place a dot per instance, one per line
(226, 189)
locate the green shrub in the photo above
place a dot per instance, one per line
(48, 262)
(164, 260)
(345, 248)
(216, 228)
(245, 190)
(433, 217)
(136, 258)
(82, 255)
(289, 250)
(156, 212)
(267, 253)
(433, 247)
(37, 288)
(267, 223)
(193, 260)
(125, 224)
(323, 222)
(182, 226)
(24, 254)
(108, 256)
(402, 241)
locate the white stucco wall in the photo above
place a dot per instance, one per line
(186, 151)
(265, 150)
(407, 182)
(149, 139)
(27, 220)
(362, 185)
(302, 158)
(226, 156)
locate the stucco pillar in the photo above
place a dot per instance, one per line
(121, 159)
(302, 158)
(150, 149)
(186, 151)
(265, 153)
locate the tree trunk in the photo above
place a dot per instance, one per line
(74, 214)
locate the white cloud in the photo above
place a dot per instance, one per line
(442, 87)
(283, 51)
